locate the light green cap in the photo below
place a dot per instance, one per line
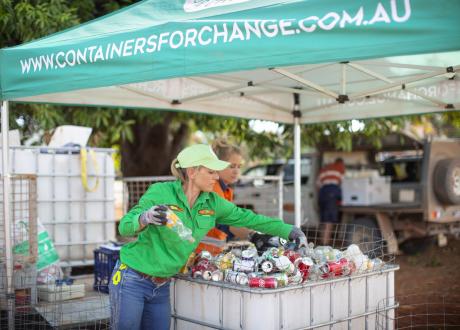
(200, 155)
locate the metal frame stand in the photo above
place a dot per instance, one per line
(6, 214)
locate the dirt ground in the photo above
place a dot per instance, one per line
(428, 288)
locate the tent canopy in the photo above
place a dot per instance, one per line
(346, 59)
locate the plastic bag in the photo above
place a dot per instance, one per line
(48, 260)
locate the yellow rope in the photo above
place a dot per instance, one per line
(84, 171)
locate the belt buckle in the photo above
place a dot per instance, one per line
(158, 280)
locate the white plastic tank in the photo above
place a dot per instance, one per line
(76, 219)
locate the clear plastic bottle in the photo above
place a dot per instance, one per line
(323, 254)
(176, 225)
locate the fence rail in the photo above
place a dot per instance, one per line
(271, 203)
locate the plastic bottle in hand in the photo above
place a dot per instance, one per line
(176, 225)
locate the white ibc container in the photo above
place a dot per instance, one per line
(77, 220)
(341, 303)
(366, 191)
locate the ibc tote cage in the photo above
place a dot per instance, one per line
(18, 275)
(344, 302)
(21, 306)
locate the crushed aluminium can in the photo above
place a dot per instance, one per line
(249, 254)
(284, 264)
(207, 274)
(292, 255)
(258, 282)
(225, 261)
(245, 266)
(295, 278)
(197, 274)
(338, 268)
(236, 277)
(304, 266)
(217, 276)
(267, 266)
(282, 278)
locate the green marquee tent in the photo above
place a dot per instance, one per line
(247, 58)
(291, 61)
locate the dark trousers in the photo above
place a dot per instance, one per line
(329, 197)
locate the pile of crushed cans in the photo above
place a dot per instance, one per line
(281, 265)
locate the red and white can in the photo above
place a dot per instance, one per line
(258, 282)
(292, 255)
(338, 268)
(201, 266)
(304, 265)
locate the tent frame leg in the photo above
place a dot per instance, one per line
(6, 214)
(297, 167)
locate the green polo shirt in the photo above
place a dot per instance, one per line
(158, 251)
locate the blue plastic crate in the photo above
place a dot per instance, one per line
(104, 262)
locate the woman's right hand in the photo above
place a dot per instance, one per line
(156, 215)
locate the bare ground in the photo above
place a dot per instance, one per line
(428, 288)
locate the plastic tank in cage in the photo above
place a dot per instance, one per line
(77, 218)
(343, 302)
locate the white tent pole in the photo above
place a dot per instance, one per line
(306, 82)
(297, 174)
(6, 214)
(343, 79)
(402, 84)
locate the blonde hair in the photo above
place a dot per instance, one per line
(225, 150)
(178, 172)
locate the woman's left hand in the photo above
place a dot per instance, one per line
(299, 237)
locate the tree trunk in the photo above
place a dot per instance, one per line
(153, 149)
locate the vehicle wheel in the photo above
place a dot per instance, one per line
(366, 234)
(416, 245)
(446, 181)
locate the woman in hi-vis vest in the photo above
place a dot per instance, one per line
(227, 177)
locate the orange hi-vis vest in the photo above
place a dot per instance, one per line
(331, 174)
(227, 194)
(215, 239)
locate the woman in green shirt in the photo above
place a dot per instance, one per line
(139, 287)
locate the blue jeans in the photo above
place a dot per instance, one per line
(136, 302)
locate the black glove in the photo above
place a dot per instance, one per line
(156, 215)
(298, 237)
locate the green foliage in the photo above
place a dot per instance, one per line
(22, 21)
(262, 146)
(340, 134)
